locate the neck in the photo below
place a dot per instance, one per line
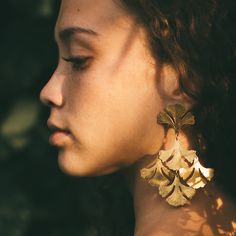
(145, 200)
(208, 210)
(148, 205)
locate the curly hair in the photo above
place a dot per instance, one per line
(194, 37)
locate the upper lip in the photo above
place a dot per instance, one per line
(53, 127)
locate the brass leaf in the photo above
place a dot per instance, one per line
(176, 116)
(156, 174)
(187, 119)
(196, 176)
(177, 157)
(165, 118)
(177, 111)
(177, 193)
(188, 155)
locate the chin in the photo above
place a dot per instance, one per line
(72, 165)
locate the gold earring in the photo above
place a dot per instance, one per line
(177, 172)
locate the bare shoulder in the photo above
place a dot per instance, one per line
(215, 209)
(210, 213)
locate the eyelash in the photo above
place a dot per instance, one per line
(78, 63)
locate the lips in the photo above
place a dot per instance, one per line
(59, 135)
(55, 128)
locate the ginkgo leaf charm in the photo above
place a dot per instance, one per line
(156, 174)
(177, 172)
(178, 193)
(176, 116)
(177, 157)
(197, 176)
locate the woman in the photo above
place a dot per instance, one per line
(121, 63)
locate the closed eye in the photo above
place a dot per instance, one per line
(78, 62)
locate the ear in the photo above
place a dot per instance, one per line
(169, 88)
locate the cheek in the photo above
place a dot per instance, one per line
(114, 122)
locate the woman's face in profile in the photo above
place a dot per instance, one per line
(103, 94)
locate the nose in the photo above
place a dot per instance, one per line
(51, 94)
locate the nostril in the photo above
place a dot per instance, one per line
(45, 101)
(49, 103)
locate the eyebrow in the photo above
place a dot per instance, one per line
(67, 33)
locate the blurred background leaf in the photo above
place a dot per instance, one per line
(36, 199)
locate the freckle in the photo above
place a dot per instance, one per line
(78, 10)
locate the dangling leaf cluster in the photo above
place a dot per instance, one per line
(177, 172)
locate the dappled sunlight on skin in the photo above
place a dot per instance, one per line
(210, 213)
(211, 217)
(219, 203)
(221, 215)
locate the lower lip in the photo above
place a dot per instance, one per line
(59, 138)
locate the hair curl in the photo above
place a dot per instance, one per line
(194, 37)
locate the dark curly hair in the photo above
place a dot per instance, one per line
(196, 38)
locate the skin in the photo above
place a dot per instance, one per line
(211, 212)
(108, 103)
(110, 106)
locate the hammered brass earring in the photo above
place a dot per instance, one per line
(177, 172)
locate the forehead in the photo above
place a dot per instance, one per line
(98, 15)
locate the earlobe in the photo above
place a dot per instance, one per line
(169, 87)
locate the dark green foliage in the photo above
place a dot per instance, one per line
(36, 199)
